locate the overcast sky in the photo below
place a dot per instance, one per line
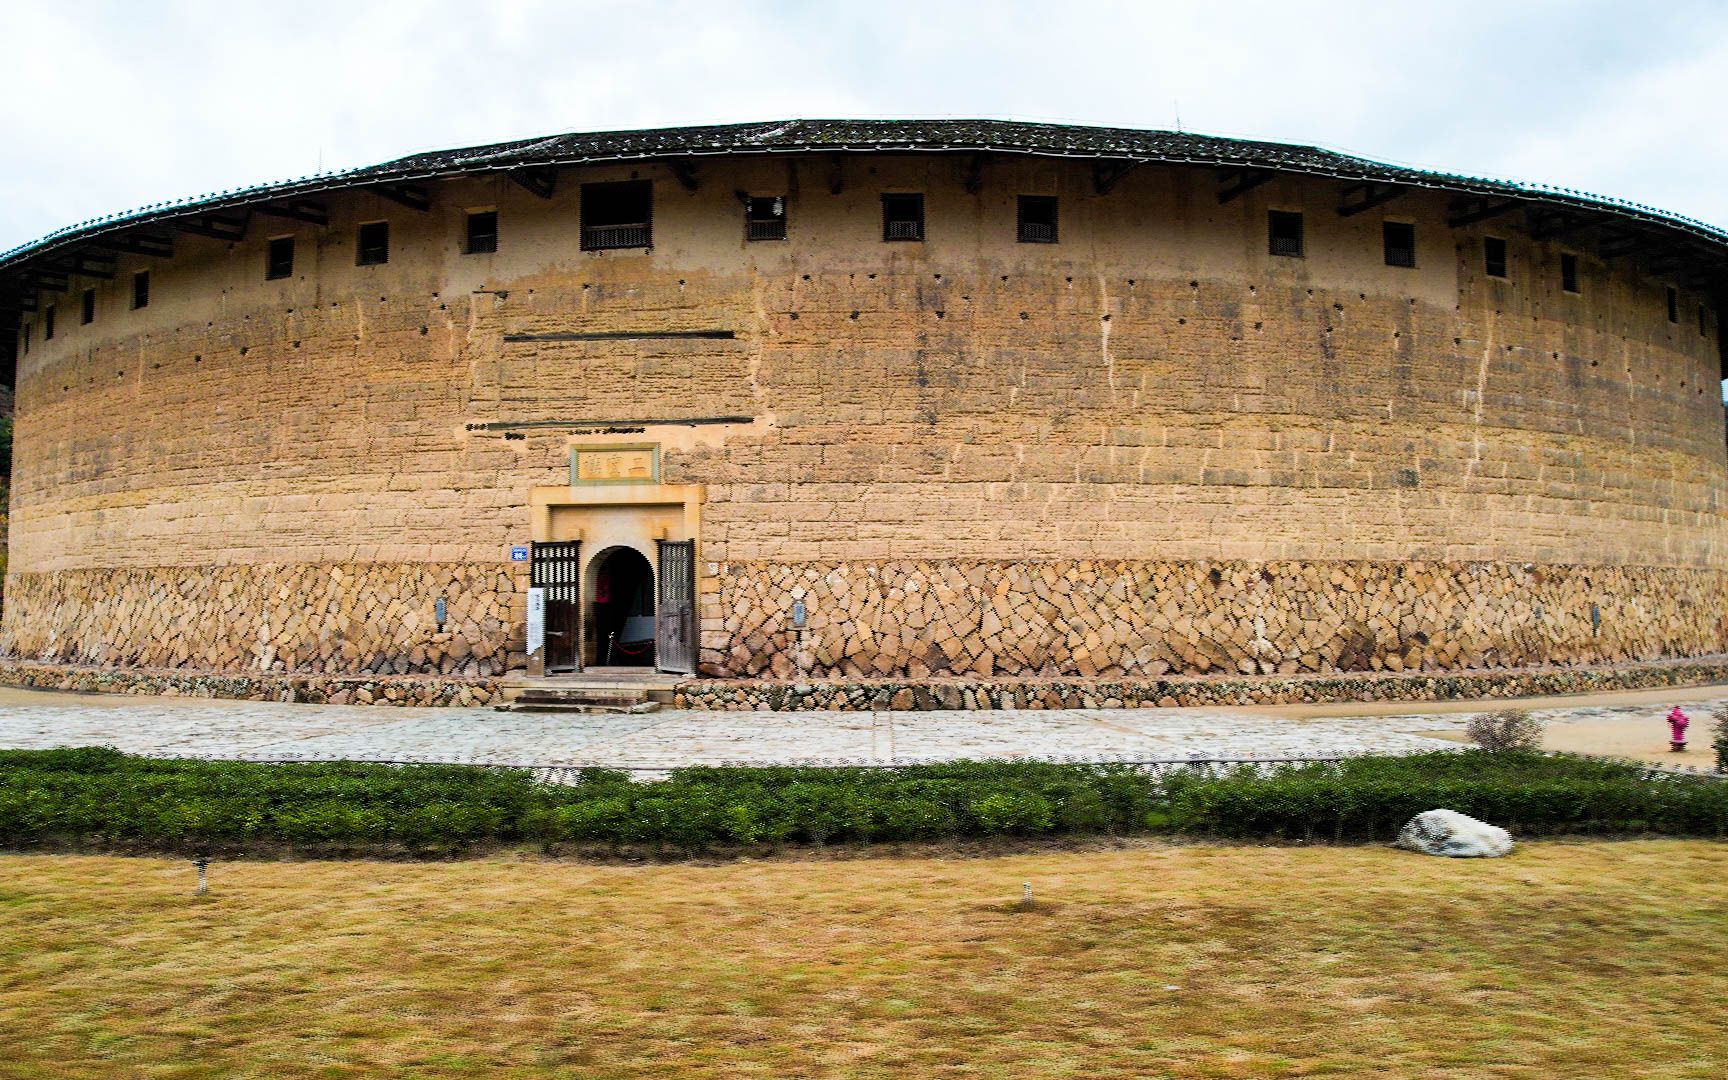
(107, 106)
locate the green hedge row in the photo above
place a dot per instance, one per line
(1372, 798)
(98, 795)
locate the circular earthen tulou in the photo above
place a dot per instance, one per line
(876, 402)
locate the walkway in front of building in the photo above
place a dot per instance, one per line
(1627, 723)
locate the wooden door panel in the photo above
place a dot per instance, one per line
(557, 568)
(675, 614)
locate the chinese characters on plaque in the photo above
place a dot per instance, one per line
(617, 465)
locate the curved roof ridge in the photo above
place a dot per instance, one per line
(838, 135)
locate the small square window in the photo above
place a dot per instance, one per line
(482, 236)
(617, 215)
(902, 217)
(373, 247)
(1494, 256)
(140, 290)
(1037, 219)
(1284, 233)
(279, 259)
(87, 311)
(1399, 240)
(1569, 273)
(765, 217)
(48, 323)
(1673, 304)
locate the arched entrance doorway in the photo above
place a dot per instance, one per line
(621, 609)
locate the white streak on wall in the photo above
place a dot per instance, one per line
(1104, 332)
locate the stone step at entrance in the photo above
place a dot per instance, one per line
(598, 690)
(579, 701)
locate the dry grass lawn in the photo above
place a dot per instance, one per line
(1566, 960)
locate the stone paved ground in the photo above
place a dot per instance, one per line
(259, 730)
(1636, 730)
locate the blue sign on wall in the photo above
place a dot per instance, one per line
(519, 554)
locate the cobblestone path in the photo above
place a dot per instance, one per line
(261, 730)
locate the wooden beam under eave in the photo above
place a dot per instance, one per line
(155, 247)
(1470, 211)
(1553, 225)
(685, 171)
(231, 230)
(539, 182)
(90, 268)
(1618, 245)
(974, 179)
(1239, 182)
(413, 196)
(1107, 174)
(45, 278)
(1367, 197)
(300, 210)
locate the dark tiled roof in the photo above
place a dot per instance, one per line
(1700, 246)
(920, 135)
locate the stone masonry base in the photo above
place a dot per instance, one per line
(1066, 621)
(268, 622)
(1055, 622)
(856, 695)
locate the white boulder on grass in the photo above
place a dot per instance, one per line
(1459, 836)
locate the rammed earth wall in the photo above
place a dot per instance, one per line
(974, 456)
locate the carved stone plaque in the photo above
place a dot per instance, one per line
(615, 465)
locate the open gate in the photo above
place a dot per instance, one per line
(675, 609)
(557, 568)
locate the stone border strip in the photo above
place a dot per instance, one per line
(414, 690)
(1194, 691)
(862, 695)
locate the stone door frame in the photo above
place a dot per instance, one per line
(608, 516)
